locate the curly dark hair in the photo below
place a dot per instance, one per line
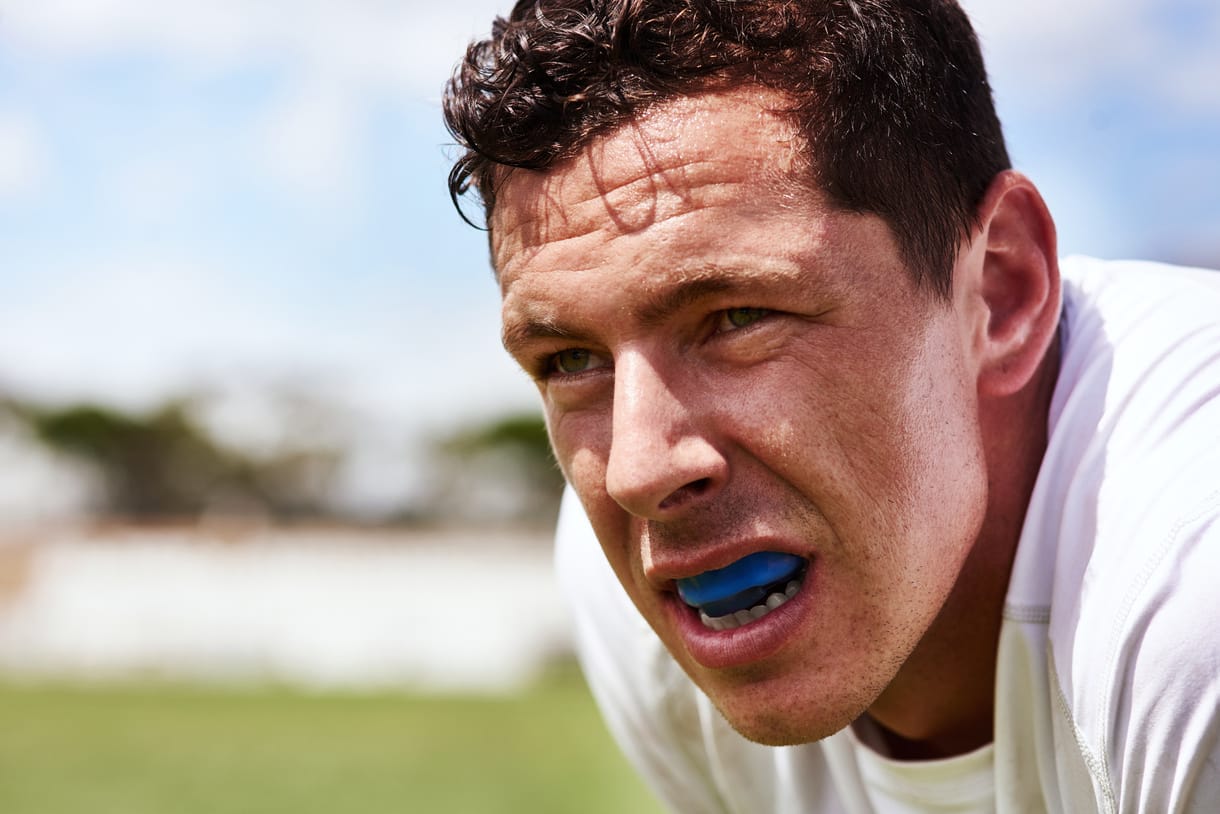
(890, 96)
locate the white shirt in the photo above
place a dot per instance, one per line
(1108, 670)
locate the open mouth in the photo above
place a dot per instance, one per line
(744, 591)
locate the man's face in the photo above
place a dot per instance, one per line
(729, 366)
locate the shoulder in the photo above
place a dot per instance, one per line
(1131, 496)
(1136, 662)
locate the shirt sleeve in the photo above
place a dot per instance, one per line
(1132, 473)
(1165, 748)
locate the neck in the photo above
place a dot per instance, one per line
(942, 701)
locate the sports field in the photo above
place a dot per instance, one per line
(153, 749)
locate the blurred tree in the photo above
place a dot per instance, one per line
(165, 464)
(499, 470)
(155, 465)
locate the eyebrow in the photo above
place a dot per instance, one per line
(701, 283)
(708, 282)
(534, 329)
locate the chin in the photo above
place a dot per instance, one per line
(769, 730)
(773, 717)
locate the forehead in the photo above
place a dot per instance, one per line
(681, 155)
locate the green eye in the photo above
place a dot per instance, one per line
(741, 317)
(573, 360)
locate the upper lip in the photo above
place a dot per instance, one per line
(667, 565)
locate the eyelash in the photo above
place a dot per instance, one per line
(753, 313)
(547, 365)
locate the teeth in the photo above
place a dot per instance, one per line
(744, 617)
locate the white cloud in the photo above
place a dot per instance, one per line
(309, 142)
(1051, 50)
(133, 330)
(120, 327)
(1051, 22)
(209, 32)
(338, 57)
(1193, 79)
(23, 157)
(380, 42)
(154, 189)
(1047, 45)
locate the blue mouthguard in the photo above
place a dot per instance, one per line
(740, 585)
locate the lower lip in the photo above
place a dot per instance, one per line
(741, 646)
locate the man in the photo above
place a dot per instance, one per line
(913, 524)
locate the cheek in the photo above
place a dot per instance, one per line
(941, 405)
(581, 442)
(942, 486)
(878, 431)
(826, 415)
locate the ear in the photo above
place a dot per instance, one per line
(1014, 267)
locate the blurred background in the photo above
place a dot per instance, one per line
(274, 504)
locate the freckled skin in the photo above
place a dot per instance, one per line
(844, 421)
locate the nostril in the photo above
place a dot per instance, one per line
(690, 491)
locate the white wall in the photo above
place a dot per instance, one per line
(319, 608)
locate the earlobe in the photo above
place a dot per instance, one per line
(1018, 284)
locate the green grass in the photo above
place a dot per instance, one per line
(166, 750)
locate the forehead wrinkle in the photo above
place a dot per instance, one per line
(626, 205)
(639, 209)
(554, 224)
(639, 195)
(658, 137)
(561, 198)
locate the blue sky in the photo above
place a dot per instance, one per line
(239, 195)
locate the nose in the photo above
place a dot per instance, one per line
(663, 459)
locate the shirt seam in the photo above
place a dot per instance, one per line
(1027, 614)
(1096, 766)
